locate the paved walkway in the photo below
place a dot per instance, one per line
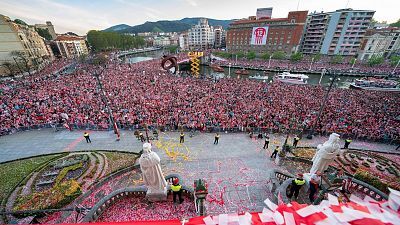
(30, 143)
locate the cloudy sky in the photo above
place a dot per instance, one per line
(82, 15)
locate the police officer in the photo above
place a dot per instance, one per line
(347, 143)
(216, 139)
(266, 143)
(182, 138)
(296, 186)
(295, 141)
(86, 135)
(141, 137)
(275, 152)
(176, 190)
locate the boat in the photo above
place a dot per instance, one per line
(217, 68)
(288, 77)
(375, 84)
(258, 77)
(242, 72)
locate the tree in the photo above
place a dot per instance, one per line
(101, 41)
(394, 60)
(317, 57)
(279, 55)
(337, 59)
(172, 49)
(352, 61)
(296, 57)
(239, 55)
(44, 33)
(251, 55)
(395, 24)
(18, 21)
(375, 60)
(11, 67)
(265, 56)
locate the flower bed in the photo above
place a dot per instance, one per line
(119, 160)
(306, 153)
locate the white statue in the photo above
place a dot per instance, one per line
(325, 154)
(152, 175)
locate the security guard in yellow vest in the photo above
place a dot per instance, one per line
(296, 186)
(347, 143)
(86, 135)
(295, 141)
(176, 190)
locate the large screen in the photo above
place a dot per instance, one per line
(259, 36)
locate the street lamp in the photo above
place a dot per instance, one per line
(394, 70)
(229, 69)
(354, 62)
(312, 60)
(322, 75)
(322, 106)
(269, 61)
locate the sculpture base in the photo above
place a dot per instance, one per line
(157, 196)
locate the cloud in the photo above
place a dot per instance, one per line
(191, 2)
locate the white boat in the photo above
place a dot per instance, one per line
(258, 77)
(292, 78)
(374, 84)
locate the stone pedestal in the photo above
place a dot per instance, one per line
(156, 196)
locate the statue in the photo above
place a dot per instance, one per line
(325, 154)
(152, 175)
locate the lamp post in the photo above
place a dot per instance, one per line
(322, 75)
(354, 62)
(269, 61)
(229, 69)
(321, 109)
(394, 70)
(236, 60)
(312, 61)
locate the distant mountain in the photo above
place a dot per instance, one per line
(166, 25)
(118, 27)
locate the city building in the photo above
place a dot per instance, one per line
(21, 43)
(184, 41)
(380, 42)
(48, 26)
(339, 32)
(264, 13)
(219, 37)
(201, 35)
(266, 35)
(71, 46)
(162, 41)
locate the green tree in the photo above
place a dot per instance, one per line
(337, 59)
(265, 56)
(375, 60)
(279, 55)
(18, 21)
(101, 41)
(394, 60)
(352, 61)
(239, 55)
(44, 33)
(251, 55)
(296, 57)
(317, 57)
(172, 49)
(395, 24)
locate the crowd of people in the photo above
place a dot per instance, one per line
(310, 66)
(143, 93)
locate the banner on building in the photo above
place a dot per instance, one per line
(259, 36)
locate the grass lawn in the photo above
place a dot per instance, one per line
(13, 172)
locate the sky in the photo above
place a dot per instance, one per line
(80, 16)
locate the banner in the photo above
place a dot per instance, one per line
(259, 36)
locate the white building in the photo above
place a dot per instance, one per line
(71, 46)
(184, 41)
(219, 37)
(162, 41)
(382, 42)
(201, 36)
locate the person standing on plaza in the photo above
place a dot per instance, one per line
(216, 139)
(295, 141)
(296, 186)
(266, 143)
(141, 137)
(347, 143)
(275, 152)
(182, 138)
(86, 135)
(314, 185)
(176, 190)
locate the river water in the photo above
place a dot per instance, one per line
(342, 82)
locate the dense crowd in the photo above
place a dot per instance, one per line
(142, 93)
(307, 65)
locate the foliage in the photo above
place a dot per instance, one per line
(56, 197)
(239, 55)
(100, 40)
(119, 160)
(251, 55)
(223, 54)
(395, 24)
(352, 61)
(375, 60)
(296, 56)
(337, 59)
(64, 172)
(18, 21)
(317, 57)
(44, 33)
(14, 172)
(172, 49)
(307, 153)
(279, 55)
(394, 60)
(372, 180)
(265, 56)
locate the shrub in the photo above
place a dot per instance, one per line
(370, 179)
(366, 164)
(279, 55)
(296, 56)
(64, 172)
